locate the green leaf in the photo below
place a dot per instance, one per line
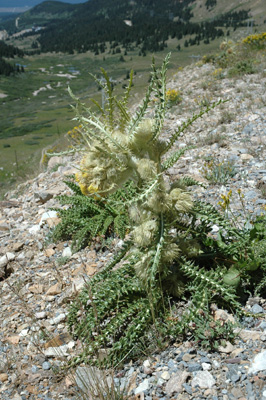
(232, 277)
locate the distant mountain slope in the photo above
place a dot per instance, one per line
(42, 14)
(46, 13)
(257, 9)
(51, 7)
(146, 24)
(142, 24)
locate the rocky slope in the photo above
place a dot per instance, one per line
(38, 278)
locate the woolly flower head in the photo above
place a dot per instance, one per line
(144, 234)
(101, 172)
(143, 135)
(146, 168)
(120, 138)
(159, 201)
(138, 215)
(142, 266)
(170, 253)
(181, 200)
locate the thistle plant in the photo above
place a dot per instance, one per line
(169, 250)
(121, 148)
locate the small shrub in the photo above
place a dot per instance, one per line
(211, 138)
(204, 101)
(205, 85)
(239, 58)
(173, 97)
(257, 41)
(47, 154)
(211, 334)
(218, 73)
(262, 187)
(62, 260)
(226, 117)
(241, 68)
(218, 172)
(208, 59)
(31, 142)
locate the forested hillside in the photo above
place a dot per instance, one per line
(145, 24)
(10, 52)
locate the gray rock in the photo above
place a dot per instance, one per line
(165, 375)
(216, 364)
(43, 197)
(4, 260)
(187, 388)
(250, 195)
(246, 334)
(3, 365)
(67, 252)
(260, 201)
(259, 363)
(263, 337)
(175, 383)
(206, 366)
(248, 129)
(256, 309)
(142, 387)
(47, 215)
(130, 372)
(243, 151)
(171, 364)
(54, 161)
(203, 379)
(41, 315)
(193, 367)
(59, 318)
(235, 378)
(4, 227)
(160, 382)
(46, 365)
(34, 229)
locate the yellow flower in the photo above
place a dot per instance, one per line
(226, 200)
(257, 40)
(173, 96)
